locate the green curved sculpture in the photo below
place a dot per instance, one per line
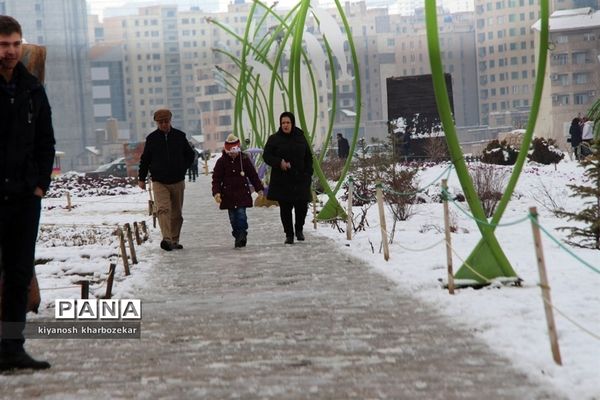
(487, 260)
(264, 79)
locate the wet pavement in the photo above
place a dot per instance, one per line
(272, 321)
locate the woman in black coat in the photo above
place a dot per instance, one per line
(288, 153)
(575, 132)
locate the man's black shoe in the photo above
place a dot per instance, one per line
(177, 246)
(243, 239)
(300, 236)
(20, 360)
(289, 240)
(165, 245)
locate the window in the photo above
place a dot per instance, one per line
(560, 59)
(579, 57)
(580, 78)
(562, 39)
(582, 98)
(560, 100)
(588, 37)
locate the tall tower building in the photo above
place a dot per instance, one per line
(506, 60)
(61, 26)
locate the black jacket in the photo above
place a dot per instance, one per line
(294, 184)
(166, 156)
(26, 136)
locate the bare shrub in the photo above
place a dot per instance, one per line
(435, 148)
(401, 193)
(332, 168)
(489, 184)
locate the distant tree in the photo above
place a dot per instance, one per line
(589, 235)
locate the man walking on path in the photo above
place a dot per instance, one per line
(26, 158)
(167, 155)
(343, 147)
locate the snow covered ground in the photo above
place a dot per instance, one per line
(510, 319)
(80, 244)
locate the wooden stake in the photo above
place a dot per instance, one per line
(205, 166)
(123, 251)
(315, 200)
(545, 287)
(69, 206)
(448, 237)
(136, 230)
(145, 231)
(384, 239)
(109, 280)
(85, 289)
(349, 212)
(130, 242)
(150, 191)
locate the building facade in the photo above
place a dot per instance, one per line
(61, 26)
(572, 81)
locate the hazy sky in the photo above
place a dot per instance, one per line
(96, 6)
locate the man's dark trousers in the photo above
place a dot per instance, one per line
(19, 220)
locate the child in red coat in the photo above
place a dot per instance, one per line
(231, 189)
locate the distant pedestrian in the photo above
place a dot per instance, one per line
(167, 155)
(230, 187)
(575, 133)
(288, 154)
(27, 155)
(193, 169)
(587, 131)
(343, 146)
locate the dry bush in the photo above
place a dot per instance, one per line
(489, 182)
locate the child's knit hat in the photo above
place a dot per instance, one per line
(231, 142)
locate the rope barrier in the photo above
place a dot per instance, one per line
(423, 249)
(446, 171)
(563, 247)
(468, 266)
(571, 320)
(60, 287)
(480, 221)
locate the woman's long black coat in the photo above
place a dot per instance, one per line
(292, 185)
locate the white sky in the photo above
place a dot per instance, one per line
(97, 6)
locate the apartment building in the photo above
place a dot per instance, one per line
(572, 81)
(61, 26)
(506, 60)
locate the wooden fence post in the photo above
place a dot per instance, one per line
(384, 239)
(85, 289)
(448, 236)
(109, 280)
(315, 199)
(145, 231)
(69, 205)
(136, 230)
(545, 287)
(205, 166)
(123, 251)
(130, 242)
(349, 212)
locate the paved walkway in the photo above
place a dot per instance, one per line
(272, 322)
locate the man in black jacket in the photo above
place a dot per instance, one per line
(343, 146)
(26, 158)
(167, 155)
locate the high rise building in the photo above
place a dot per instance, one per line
(506, 60)
(61, 26)
(572, 81)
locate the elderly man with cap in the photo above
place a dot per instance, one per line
(167, 155)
